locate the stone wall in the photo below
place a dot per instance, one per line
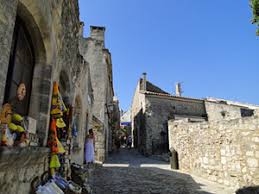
(158, 111)
(20, 166)
(137, 113)
(53, 27)
(7, 22)
(226, 152)
(99, 145)
(221, 111)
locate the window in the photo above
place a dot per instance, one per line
(246, 112)
(20, 68)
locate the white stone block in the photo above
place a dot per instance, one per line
(226, 182)
(255, 139)
(205, 160)
(249, 153)
(223, 152)
(252, 162)
(244, 170)
(223, 160)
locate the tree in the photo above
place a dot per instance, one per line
(255, 8)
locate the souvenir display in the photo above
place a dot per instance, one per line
(12, 128)
(58, 135)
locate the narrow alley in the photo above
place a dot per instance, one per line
(129, 172)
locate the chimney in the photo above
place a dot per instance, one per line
(81, 29)
(178, 89)
(144, 80)
(97, 32)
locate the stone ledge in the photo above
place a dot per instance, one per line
(17, 157)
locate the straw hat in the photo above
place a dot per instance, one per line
(60, 123)
(6, 114)
(54, 161)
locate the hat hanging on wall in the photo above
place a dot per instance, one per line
(6, 114)
(54, 161)
(60, 123)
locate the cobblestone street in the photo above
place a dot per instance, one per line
(130, 172)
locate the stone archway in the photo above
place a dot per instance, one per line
(78, 123)
(64, 86)
(42, 74)
(78, 116)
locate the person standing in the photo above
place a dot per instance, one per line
(89, 147)
(129, 142)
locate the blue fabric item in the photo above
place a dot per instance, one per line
(74, 130)
(61, 182)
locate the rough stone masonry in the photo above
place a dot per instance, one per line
(226, 152)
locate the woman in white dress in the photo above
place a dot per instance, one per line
(89, 147)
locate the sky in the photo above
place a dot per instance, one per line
(209, 46)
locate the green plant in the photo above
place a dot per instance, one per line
(255, 8)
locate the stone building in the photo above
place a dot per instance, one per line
(153, 107)
(39, 45)
(115, 124)
(100, 62)
(213, 138)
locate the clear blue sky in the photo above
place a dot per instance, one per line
(210, 46)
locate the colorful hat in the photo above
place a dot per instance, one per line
(55, 88)
(53, 137)
(54, 161)
(63, 107)
(56, 112)
(12, 126)
(55, 101)
(4, 136)
(61, 149)
(20, 129)
(6, 114)
(60, 123)
(17, 117)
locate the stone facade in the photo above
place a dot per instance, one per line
(151, 110)
(54, 29)
(21, 167)
(220, 109)
(225, 151)
(153, 107)
(99, 59)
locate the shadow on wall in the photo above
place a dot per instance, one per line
(248, 190)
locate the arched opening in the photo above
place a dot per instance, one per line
(64, 87)
(38, 88)
(77, 123)
(174, 159)
(20, 69)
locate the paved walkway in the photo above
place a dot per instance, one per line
(128, 172)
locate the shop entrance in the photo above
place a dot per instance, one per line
(20, 70)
